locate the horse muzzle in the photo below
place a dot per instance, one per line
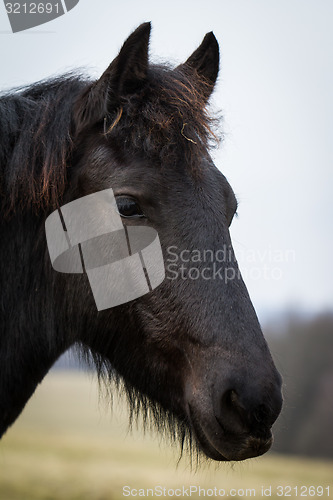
(234, 424)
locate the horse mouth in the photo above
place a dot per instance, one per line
(220, 445)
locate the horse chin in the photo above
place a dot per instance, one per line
(218, 445)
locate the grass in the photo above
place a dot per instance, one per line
(67, 446)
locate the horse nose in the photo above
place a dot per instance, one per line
(247, 409)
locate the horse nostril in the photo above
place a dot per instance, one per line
(261, 414)
(231, 402)
(233, 415)
(244, 411)
(234, 400)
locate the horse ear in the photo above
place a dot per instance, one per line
(205, 61)
(125, 75)
(129, 70)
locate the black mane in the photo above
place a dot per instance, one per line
(36, 130)
(35, 137)
(170, 107)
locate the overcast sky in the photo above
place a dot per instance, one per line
(275, 91)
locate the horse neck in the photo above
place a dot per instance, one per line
(29, 344)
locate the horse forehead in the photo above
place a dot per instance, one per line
(100, 155)
(210, 181)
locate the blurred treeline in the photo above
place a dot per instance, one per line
(303, 351)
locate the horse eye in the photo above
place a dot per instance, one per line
(127, 207)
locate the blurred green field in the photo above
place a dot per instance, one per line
(68, 446)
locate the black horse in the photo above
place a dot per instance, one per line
(190, 354)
